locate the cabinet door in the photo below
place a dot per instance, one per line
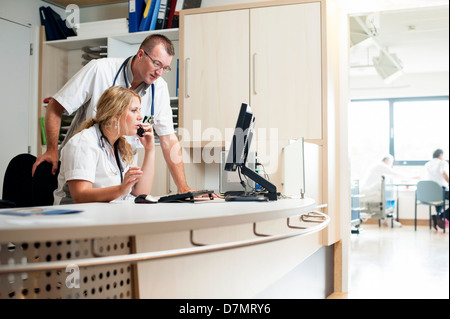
(286, 69)
(215, 73)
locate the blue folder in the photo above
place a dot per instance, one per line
(144, 25)
(135, 11)
(155, 14)
(150, 15)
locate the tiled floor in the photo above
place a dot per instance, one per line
(399, 263)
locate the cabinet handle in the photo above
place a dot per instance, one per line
(254, 74)
(187, 78)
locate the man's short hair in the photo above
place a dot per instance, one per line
(153, 40)
(437, 153)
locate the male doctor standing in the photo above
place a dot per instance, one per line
(142, 73)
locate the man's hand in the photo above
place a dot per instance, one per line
(51, 157)
(52, 124)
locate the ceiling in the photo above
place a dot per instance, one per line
(418, 37)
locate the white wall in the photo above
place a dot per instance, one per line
(27, 12)
(409, 85)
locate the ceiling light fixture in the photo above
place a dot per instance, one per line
(387, 64)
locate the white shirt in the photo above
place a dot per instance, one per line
(371, 184)
(434, 170)
(84, 89)
(86, 156)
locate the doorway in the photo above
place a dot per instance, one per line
(14, 89)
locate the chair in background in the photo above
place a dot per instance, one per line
(43, 184)
(20, 189)
(432, 194)
(383, 208)
(17, 190)
(356, 208)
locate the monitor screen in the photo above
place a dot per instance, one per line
(240, 144)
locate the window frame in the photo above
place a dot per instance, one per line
(392, 102)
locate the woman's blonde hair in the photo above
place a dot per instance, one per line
(114, 103)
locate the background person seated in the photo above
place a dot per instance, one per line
(371, 184)
(437, 170)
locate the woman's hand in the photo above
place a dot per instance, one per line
(144, 185)
(148, 140)
(132, 176)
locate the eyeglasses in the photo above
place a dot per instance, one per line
(158, 64)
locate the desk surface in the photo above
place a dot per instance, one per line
(403, 182)
(127, 219)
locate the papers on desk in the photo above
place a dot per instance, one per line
(38, 211)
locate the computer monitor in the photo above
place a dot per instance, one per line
(237, 157)
(243, 133)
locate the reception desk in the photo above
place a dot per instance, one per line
(205, 249)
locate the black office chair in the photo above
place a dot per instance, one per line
(43, 184)
(20, 189)
(17, 190)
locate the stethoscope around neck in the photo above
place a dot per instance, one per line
(116, 151)
(123, 67)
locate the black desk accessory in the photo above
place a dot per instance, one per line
(185, 197)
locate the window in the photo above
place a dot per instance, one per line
(368, 134)
(410, 129)
(420, 127)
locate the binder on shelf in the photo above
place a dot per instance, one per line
(55, 27)
(64, 31)
(144, 25)
(71, 32)
(46, 22)
(57, 23)
(173, 4)
(161, 15)
(150, 15)
(176, 14)
(167, 13)
(155, 15)
(43, 136)
(135, 11)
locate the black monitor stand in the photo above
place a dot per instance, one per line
(270, 192)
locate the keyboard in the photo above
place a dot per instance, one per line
(184, 197)
(241, 196)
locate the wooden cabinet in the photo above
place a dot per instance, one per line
(269, 57)
(215, 72)
(286, 69)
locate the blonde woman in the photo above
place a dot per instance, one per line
(97, 162)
